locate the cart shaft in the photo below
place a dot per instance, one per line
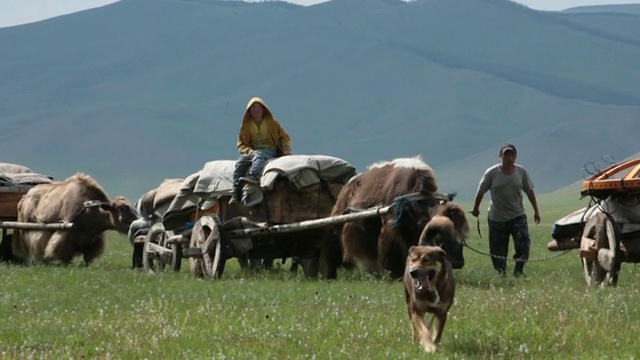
(263, 229)
(34, 226)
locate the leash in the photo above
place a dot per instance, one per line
(464, 243)
(477, 223)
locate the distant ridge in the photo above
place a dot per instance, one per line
(143, 90)
(633, 9)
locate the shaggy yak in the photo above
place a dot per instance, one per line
(380, 244)
(79, 200)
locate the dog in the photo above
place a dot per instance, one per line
(429, 287)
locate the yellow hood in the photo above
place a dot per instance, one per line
(267, 111)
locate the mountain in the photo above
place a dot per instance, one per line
(631, 9)
(142, 90)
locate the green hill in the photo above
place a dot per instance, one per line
(141, 90)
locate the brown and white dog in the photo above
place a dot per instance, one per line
(429, 287)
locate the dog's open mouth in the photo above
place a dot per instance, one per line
(422, 278)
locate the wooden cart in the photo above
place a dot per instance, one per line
(9, 198)
(15, 181)
(169, 241)
(607, 232)
(291, 221)
(202, 208)
(211, 241)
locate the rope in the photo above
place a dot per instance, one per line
(398, 210)
(518, 259)
(85, 205)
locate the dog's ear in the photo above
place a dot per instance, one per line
(411, 249)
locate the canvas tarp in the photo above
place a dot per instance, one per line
(216, 178)
(625, 212)
(18, 177)
(154, 203)
(15, 181)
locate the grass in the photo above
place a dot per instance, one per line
(109, 311)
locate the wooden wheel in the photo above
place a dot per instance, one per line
(206, 236)
(154, 253)
(588, 252)
(176, 254)
(600, 251)
(195, 262)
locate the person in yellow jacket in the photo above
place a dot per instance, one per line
(261, 138)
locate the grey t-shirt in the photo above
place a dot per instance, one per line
(506, 191)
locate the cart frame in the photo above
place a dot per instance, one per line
(600, 242)
(211, 243)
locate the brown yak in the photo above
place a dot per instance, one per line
(79, 200)
(380, 244)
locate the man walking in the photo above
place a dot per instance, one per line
(506, 182)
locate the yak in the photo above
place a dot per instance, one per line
(380, 244)
(79, 200)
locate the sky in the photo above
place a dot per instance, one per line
(16, 12)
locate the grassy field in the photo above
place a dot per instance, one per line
(110, 311)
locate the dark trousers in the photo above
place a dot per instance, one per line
(499, 233)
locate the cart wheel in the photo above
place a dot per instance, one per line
(604, 269)
(195, 262)
(206, 236)
(609, 256)
(176, 255)
(152, 259)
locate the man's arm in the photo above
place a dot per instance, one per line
(532, 198)
(476, 203)
(483, 187)
(527, 187)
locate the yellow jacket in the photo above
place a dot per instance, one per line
(278, 134)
